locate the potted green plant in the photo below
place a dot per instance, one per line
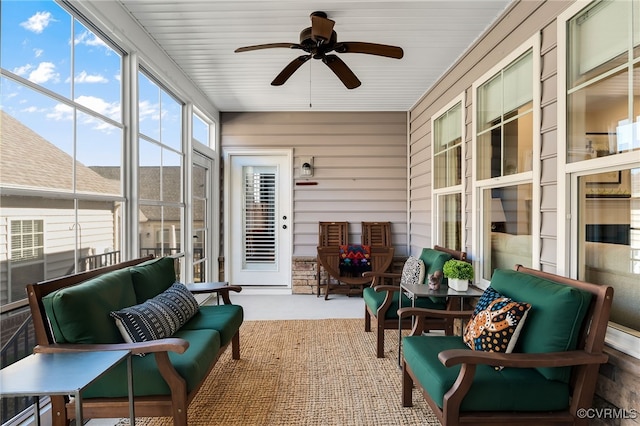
(458, 274)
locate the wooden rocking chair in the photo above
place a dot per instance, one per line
(329, 258)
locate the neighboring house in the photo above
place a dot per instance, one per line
(38, 242)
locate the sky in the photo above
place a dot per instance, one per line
(42, 43)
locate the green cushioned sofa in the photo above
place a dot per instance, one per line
(548, 378)
(383, 300)
(73, 313)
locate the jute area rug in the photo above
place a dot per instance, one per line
(304, 372)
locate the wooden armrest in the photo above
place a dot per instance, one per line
(452, 357)
(224, 292)
(433, 313)
(172, 344)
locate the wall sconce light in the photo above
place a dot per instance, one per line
(306, 169)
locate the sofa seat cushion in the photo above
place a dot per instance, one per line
(554, 320)
(374, 300)
(152, 277)
(227, 319)
(158, 317)
(80, 313)
(509, 389)
(192, 365)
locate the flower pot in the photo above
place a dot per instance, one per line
(458, 284)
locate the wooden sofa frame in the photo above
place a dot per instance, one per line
(175, 405)
(377, 281)
(585, 361)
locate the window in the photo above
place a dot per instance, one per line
(609, 239)
(447, 175)
(160, 170)
(27, 257)
(603, 114)
(62, 145)
(602, 142)
(506, 141)
(505, 121)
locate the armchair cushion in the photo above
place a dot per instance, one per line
(158, 317)
(556, 315)
(496, 323)
(226, 319)
(374, 300)
(510, 389)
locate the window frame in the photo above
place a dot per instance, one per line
(568, 174)
(438, 193)
(532, 176)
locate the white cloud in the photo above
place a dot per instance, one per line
(38, 52)
(83, 77)
(21, 71)
(89, 39)
(32, 109)
(146, 110)
(111, 110)
(45, 72)
(38, 22)
(61, 112)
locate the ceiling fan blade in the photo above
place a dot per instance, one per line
(343, 72)
(289, 70)
(321, 27)
(370, 49)
(267, 46)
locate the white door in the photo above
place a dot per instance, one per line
(258, 245)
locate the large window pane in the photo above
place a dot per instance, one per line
(450, 221)
(35, 43)
(598, 40)
(507, 220)
(505, 121)
(448, 148)
(609, 239)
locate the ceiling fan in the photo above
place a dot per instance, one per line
(318, 40)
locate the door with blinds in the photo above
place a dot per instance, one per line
(259, 241)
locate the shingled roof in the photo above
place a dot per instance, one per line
(27, 160)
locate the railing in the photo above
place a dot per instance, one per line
(19, 345)
(95, 261)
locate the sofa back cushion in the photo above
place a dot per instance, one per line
(152, 278)
(555, 318)
(434, 260)
(80, 314)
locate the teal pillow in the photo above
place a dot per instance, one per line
(80, 314)
(152, 277)
(554, 320)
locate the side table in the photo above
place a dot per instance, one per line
(414, 291)
(63, 373)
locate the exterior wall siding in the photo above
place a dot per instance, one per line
(360, 167)
(618, 381)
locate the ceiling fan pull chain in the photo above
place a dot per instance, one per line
(310, 66)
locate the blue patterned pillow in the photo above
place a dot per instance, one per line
(496, 323)
(157, 318)
(413, 271)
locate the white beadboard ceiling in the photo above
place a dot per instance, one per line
(201, 36)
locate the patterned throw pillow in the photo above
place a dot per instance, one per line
(496, 323)
(157, 318)
(413, 271)
(354, 260)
